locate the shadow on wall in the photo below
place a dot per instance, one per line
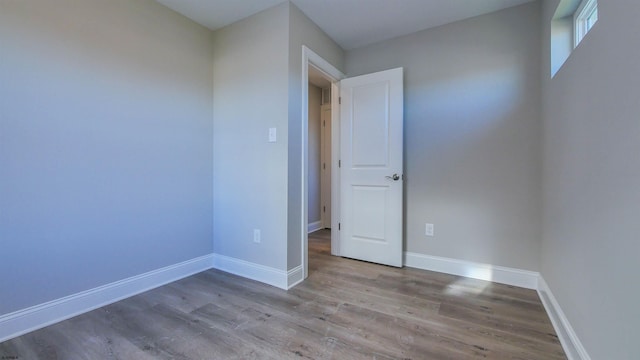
(473, 104)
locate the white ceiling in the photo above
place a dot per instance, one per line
(350, 23)
(215, 14)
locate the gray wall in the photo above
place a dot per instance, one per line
(302, 31)
(250, 96)
(592, 171)
(472, 135)
(105, 144)
(315, 97)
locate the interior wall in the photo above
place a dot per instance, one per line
(472, 135)
(105, 144)
(250, 96)
(591, 176)
(315, 97)
(302, 31)
(258, 62)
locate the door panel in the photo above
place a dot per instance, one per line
(370, 127)
(371, 135)
(369, 203)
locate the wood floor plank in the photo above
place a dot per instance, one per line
(346, 309)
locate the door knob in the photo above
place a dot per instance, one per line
(394, 177)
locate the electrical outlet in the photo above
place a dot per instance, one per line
(428, 229)
(256, 235)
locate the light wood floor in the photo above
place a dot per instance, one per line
(346, 309)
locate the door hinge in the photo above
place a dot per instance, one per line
(324, 209)
(339, 225)
(324, 166)
(340, 100)
(339, 163)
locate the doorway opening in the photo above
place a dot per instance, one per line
(320, 199)
(319, 162)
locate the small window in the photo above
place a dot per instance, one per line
(584, 19)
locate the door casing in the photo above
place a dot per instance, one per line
(325, 171)
(309, 57)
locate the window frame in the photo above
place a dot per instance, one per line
(582, 18)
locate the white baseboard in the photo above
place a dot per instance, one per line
(36, 317)
(571, 344)
(314, 226)
(294, 276)
(253, 271)
(504, 275)
(26, 320)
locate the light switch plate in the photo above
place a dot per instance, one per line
(273, 135)
(428, 229)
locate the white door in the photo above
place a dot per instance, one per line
(325, 168)
(371, 122)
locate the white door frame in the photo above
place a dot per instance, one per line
(325, 145)
(331, 72)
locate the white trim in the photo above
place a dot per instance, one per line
(253, 271)
(314, 226)
(326, 144)
(321, 64)
(304, 204)
(571, 344)
(294, 276)
(36, 317)
(580, 29)
(335, 170)
(309, 57)
(504, 275)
